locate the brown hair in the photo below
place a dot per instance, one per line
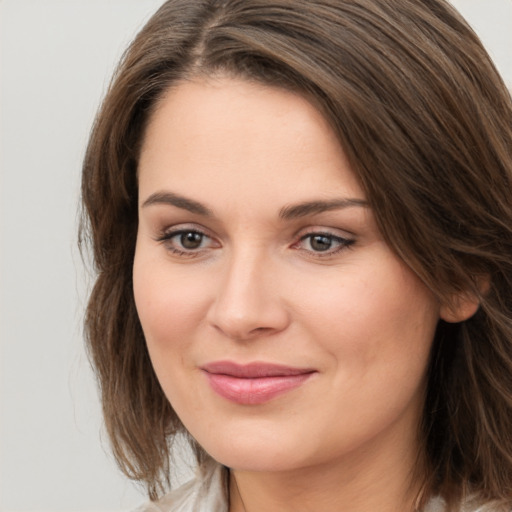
(427, 125)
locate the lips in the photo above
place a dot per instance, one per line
(254, 383)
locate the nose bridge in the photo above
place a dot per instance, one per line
(247, 301)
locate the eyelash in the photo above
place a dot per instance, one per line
(167, 239)
(343, 243)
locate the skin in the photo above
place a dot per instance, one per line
(257, 288)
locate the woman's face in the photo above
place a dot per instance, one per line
(284, 331)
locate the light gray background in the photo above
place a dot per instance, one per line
(56, 59)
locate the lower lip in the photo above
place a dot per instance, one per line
(254, 391)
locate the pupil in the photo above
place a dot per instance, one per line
(191, 240)
(321, 243)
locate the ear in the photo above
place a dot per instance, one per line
(460, 307)
(464, 305)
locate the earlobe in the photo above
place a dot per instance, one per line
(462, 307)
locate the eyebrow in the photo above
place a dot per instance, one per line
(182, 202)
(316, 207)
(286, 213)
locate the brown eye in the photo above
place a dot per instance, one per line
(321, 243)
(187, 242)
(191, 240)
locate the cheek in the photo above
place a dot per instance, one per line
(169, 303)
(379, 316)
(377, 328)
(171, 309)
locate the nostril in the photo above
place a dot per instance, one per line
(260, 330)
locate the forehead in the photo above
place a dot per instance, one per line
(237, 137)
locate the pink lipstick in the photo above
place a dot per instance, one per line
(254, 383)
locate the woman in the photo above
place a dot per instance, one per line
(301, 217)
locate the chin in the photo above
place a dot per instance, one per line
(263, 461)
(275, 454)
(254, 450)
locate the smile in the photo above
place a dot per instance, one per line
(255, 383)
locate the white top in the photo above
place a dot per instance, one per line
(208, 492)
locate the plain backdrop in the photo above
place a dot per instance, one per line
(56, 60)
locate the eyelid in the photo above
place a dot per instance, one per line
(170, 230)
(326, 231)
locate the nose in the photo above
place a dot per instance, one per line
(248, 302)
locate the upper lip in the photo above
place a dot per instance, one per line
(253, 370)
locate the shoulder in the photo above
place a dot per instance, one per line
(471, 505)
(486, 507)
(207, 492)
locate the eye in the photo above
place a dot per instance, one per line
(323, 243)
(190, 240)
(186, 242)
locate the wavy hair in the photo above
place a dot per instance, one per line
(426, 123)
